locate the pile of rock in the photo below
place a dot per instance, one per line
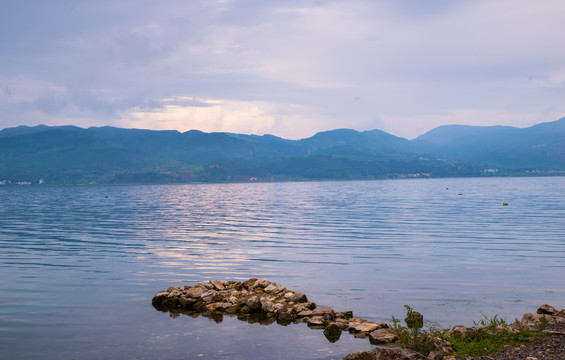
(271, 302)
(260, 300)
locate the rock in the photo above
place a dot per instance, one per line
(267, 306)
(275, 288)
(365, 327)
(249, 283)
(285, 317)
(299, 297)
(218, 285)
(214, 306)
(462, 332)
(345, 314)
(225, 306)
(254, 303)
(194, 292)
(326, 312)
(236, 285)
(332, 329)
(186, 301)
(382, 336)
(316, 321)
(262, 283)
(332, 332)
(288, 295)
(441, 347)
(211, 296)
(305, 313)
(547, 309)
(342, 323)
(536, 321)
(384, 353)
(360, 355)
(174, 293)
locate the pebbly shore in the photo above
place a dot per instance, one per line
(260, 300)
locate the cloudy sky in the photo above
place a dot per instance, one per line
(288, 68)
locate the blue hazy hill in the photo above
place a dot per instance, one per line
(72, 155)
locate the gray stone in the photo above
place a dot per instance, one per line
(332, 332)
(535, 321)
(285, 316)
(186, 301)
(316, 321)
(263, 283)
(299, 297)
(174, 293)
(218, 285)
(344, 314)
(305, 313)
(288, 295)
(194, 292)
(342, 323)
(275, 288)
(214, 306)
(326, 312)
(254, 303)
(360, 355)
(249, 283)
(382, 336)
(463, 332)
(211, 296)
(365, 327)
(385, 353)
(332, 329)
(547, 309)
(267, 306)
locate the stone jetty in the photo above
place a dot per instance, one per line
(266, 302)
(260, 300)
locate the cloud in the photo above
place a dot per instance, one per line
(287, 67)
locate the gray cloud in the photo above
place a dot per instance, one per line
(410, 64)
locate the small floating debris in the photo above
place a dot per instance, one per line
(460, 194)
(504, 204)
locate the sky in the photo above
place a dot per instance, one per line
(288, 68)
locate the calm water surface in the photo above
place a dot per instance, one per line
(79, 265)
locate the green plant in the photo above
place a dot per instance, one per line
(412, 337)
(490, 335)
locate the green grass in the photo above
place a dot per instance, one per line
(491, 335)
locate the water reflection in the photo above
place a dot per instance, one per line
(74, 261)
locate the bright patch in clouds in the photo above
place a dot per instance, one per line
(213, 115)
(289, 68)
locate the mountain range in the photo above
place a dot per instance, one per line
(109, 155)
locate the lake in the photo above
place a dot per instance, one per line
(79, 265)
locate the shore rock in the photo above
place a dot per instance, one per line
(299, 297)
(382, 336)
(384, 353)
(360, 355)
(547, 309)
(325, 312)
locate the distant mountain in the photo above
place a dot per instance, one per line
(72, 155)
(540, 147)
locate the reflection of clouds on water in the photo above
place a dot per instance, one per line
(366, 246)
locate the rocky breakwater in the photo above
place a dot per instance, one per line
(260, 300)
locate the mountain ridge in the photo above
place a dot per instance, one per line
(95, 155)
